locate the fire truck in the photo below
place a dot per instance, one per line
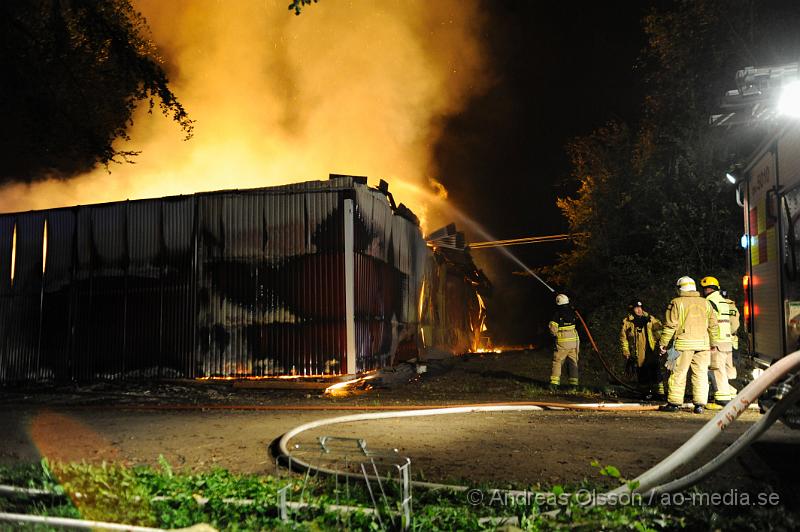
(770, 197)
(767, 183)
(766, 102)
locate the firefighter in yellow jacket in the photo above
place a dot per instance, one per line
(638, 339)
(562, 326)
(692, 323)
(722, 359)
(734, 318)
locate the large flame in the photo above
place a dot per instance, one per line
(355, 87)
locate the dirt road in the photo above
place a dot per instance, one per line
(496, 448)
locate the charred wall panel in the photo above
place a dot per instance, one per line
(143, 286)
(378, 283)
(270, 274)
(80, 297)
(178, 292)
(452, 313)
(20, 291)
(218, 284)
(7, 225)
(390, 255)
(27, 291)
(108, 303)
(57, 312)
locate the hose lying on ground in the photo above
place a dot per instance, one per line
(17, 491)
(730, 452)
(285, 455)
(290, 460)
(648, 480)
(65, 522)
(703, 437)
(372, 408)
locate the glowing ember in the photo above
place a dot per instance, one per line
(244, 377)
(344, 388)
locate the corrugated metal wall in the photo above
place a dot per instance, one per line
(389, 266)
(219, 284)
(452, 314)
(272, 284)
(21, 292)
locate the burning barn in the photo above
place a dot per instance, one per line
(452, 315)
(310, 279)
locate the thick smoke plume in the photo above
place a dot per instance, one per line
(354, 87)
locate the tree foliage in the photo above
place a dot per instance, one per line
(73, 71)
(650, 202)
(297, 5)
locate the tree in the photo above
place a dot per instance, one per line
(297, 5)
(73, 71)
(652, 205)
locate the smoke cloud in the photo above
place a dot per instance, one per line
(353, 87)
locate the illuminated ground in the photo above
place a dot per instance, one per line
(522, 448)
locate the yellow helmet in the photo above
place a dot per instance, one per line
(709, 282)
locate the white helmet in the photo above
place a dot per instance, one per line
(686, 284)
(562, 299)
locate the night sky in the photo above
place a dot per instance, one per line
(557, 75)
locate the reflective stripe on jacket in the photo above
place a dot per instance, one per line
(691, 320)
(723, 313)
(733, 312)
(562, 326)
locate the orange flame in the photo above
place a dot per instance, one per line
(345, 387)
(356, 88)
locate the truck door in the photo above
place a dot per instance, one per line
(764, 260)
(790, 225)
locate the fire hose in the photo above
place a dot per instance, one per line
(601, 358)
(285, 456)
(733, 450)
(647, 482)
(393, 412)
(597, 352)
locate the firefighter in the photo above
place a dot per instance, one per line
(722, 359)
(734, 354)
(692, 323)
(638, 339)
(567, 343)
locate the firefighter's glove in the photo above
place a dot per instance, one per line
(630, 368)
(672, 359)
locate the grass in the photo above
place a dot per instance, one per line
(163, 497)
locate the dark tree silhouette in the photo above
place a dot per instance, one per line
(651, 203)
(71, 74)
